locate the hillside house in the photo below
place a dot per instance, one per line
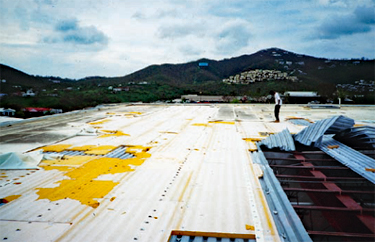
(7, 112)
(28, 93)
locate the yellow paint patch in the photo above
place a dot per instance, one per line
(201, 124)
(112, 133)
(102, 166)
(168, 132)
(80, 189)
(68, 161)
(333, 146)
(100, 122)
(370, 169)
(253, 139)
(60, 168)
(55, 148)
(135, 149)
(10, 198)
(83, 148)
(222, 122)
(82, 185)
(101, 150)
(249, 227)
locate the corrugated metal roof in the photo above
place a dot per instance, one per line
(289, 224)
(119, 152)
(197, 178)
(199, 175)
(351, 158)
(358, 136)
(282, 140)
(314, 132)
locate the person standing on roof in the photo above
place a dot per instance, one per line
(278, 103)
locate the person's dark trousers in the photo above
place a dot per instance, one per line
(277, 111)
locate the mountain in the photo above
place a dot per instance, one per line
(307, 68)
(206, 76)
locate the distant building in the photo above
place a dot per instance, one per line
(194, 98)
(28, 93)
(7, 112)
(35, 112)
(301, 96)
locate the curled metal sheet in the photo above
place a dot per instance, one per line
(314, 132)
(282, 140)
(363, 136)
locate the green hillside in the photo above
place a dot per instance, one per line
(204, 76)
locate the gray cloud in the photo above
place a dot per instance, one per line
(66, 25)
(232, 38)
(365, 14)
(180, 30)
(360, 21)
(69, 31)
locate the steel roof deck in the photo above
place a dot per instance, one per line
(194, 173)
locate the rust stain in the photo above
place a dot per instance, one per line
(185, 187)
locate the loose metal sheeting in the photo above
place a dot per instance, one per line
(314, 132)
(353, 159)
(286, 219)
(282, 140)
(357, 136)
(198, 176)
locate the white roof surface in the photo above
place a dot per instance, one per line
(198, 175)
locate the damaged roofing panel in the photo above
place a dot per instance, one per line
(193, 178)
(314, 132)
(351, 158)
(358, 136)
(286, 219)
(282, 140)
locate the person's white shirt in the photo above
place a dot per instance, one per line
(278, 100)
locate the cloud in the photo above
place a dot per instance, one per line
(181, 30)
(232, 37)
(66, 25)
(365, 15)
(360, 21)
(69, 31)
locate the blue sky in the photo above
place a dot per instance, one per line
(79, 38)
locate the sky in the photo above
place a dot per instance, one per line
(80, 38)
